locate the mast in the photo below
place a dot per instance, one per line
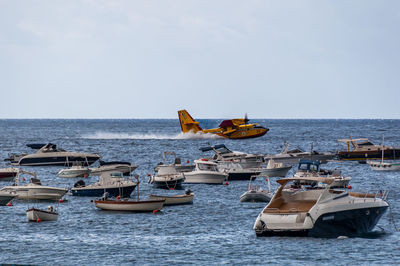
(383, 146)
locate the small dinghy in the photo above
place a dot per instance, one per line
(38, 215)
(138, 205)
(255, 193)
(76, 170)
(186, 198)
(275, 169)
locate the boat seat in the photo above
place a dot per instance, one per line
(291, 207)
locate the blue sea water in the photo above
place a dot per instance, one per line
(216, 229)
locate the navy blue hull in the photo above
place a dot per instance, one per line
(345, 223)
(233, 176)
(124, 192)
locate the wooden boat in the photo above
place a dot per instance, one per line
(34, 214)
(186, 198)
(129, 205)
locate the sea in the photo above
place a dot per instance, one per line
(217, 228)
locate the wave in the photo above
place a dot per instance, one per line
(113, 135)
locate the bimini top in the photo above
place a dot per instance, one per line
(326, 180)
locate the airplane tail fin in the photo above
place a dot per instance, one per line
(187, 122)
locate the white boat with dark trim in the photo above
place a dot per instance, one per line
(8, 174)
(179, 167)
(38, 215)
(311, 168)
(112, 182)
(49, 154)
(287, 156)
(321, 212)
(186, 198)
(236, 172)
(167, 177)
(126, 168)
(275, 169)
(76, 170)
(223, 154)
(205, 172)
(34, 189)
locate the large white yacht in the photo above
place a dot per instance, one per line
(319, 211)
(205, 172)
(49, 154)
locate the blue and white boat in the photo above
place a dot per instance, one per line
(112, 182)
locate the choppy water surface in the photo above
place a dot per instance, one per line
(216, 229)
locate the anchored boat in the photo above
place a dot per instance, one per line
(319, 211)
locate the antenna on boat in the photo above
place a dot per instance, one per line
(137, 185)
(383, 146)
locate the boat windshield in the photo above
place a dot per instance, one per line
(116, 174)
(207, 167)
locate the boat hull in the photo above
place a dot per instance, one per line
(213, 178)
(35, 214)
(276, 172)
(71, 173)
(8, 174)
(57, 160)
(349, 223)
(131, 206)
(175, 200)
(175, 184)
(5, 198)
(255, 196)
(362, 156)
(241, 175)
(40, 193)
(385, 166)
(98, 192)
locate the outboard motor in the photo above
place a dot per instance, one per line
(177, 160)
(188, 191)
(105, 196)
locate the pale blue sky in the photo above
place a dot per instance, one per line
(217, 59)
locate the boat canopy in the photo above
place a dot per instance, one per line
(326, 180)
(355, 140)
(220, 148)
(309, 165)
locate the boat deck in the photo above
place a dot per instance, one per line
(292, 206)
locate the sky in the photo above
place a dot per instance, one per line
(217, 59)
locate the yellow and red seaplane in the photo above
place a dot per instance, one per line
(231, 129)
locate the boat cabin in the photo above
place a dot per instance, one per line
(205, 165)
(309, 165)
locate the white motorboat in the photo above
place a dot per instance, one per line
(186, 198)
(38, 215)
(112, 182)
(6, 197)
(275, 169)
(246, 160)
(205, 172)
(126, 168)
(76, 170)
(179, 167)
(287, 156)
(34, 189)
(8, 174)
(167, 177)
(383, 165)
(49, 154)
(311, 168)
(255, 193)
(322, 212)
(137, 205)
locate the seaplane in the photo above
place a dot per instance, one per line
(232, 129)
